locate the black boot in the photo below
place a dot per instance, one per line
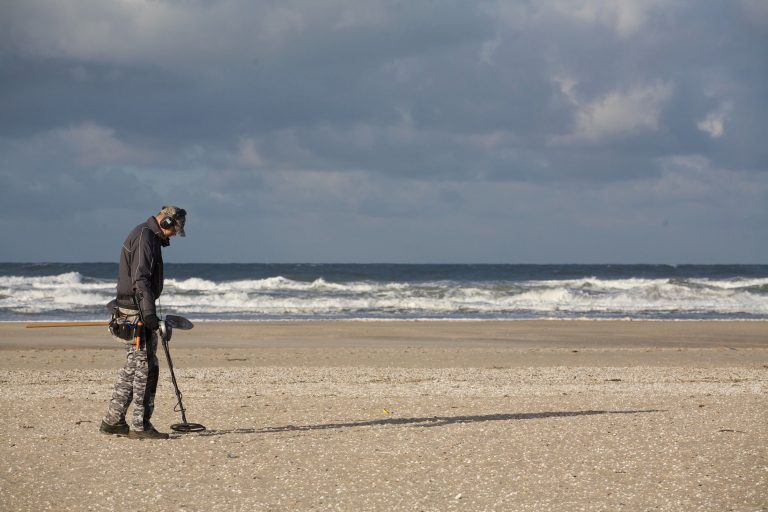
(150, 433)
(121, 429)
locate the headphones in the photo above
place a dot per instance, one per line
(167, 222)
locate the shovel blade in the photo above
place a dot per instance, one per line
(179, 322)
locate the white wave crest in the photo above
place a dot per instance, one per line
(68, 279)
(278, 283)
(281, 296)
(732, 283)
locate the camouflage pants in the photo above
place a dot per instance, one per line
(137, 382)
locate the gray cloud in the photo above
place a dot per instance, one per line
(374, 130)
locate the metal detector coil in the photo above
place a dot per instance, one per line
(187, 427)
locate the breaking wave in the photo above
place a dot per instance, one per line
(72, 295)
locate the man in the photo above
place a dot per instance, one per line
(139, 284)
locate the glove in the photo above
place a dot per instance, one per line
(151, 322)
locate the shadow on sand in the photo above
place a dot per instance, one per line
(432, 421)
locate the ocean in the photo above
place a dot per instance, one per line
(256, 292)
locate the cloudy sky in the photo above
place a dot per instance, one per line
(584, 131)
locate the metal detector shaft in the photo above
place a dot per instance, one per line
(173, 379)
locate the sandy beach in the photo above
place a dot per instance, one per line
(521, 415)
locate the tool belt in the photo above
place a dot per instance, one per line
(123, 330)
(123, 323)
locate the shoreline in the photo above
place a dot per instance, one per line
(417, 320)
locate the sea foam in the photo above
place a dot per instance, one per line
(70, 295)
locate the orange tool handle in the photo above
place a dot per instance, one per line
(139, 329)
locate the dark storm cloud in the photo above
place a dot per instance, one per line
(377, 111)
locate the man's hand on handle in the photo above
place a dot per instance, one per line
(151, 322)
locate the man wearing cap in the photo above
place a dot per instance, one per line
(139, 284)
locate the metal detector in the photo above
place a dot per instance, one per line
(165, 330)
(167, 325)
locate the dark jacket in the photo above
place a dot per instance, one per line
(141, 266)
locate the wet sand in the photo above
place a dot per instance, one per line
(541, 415)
